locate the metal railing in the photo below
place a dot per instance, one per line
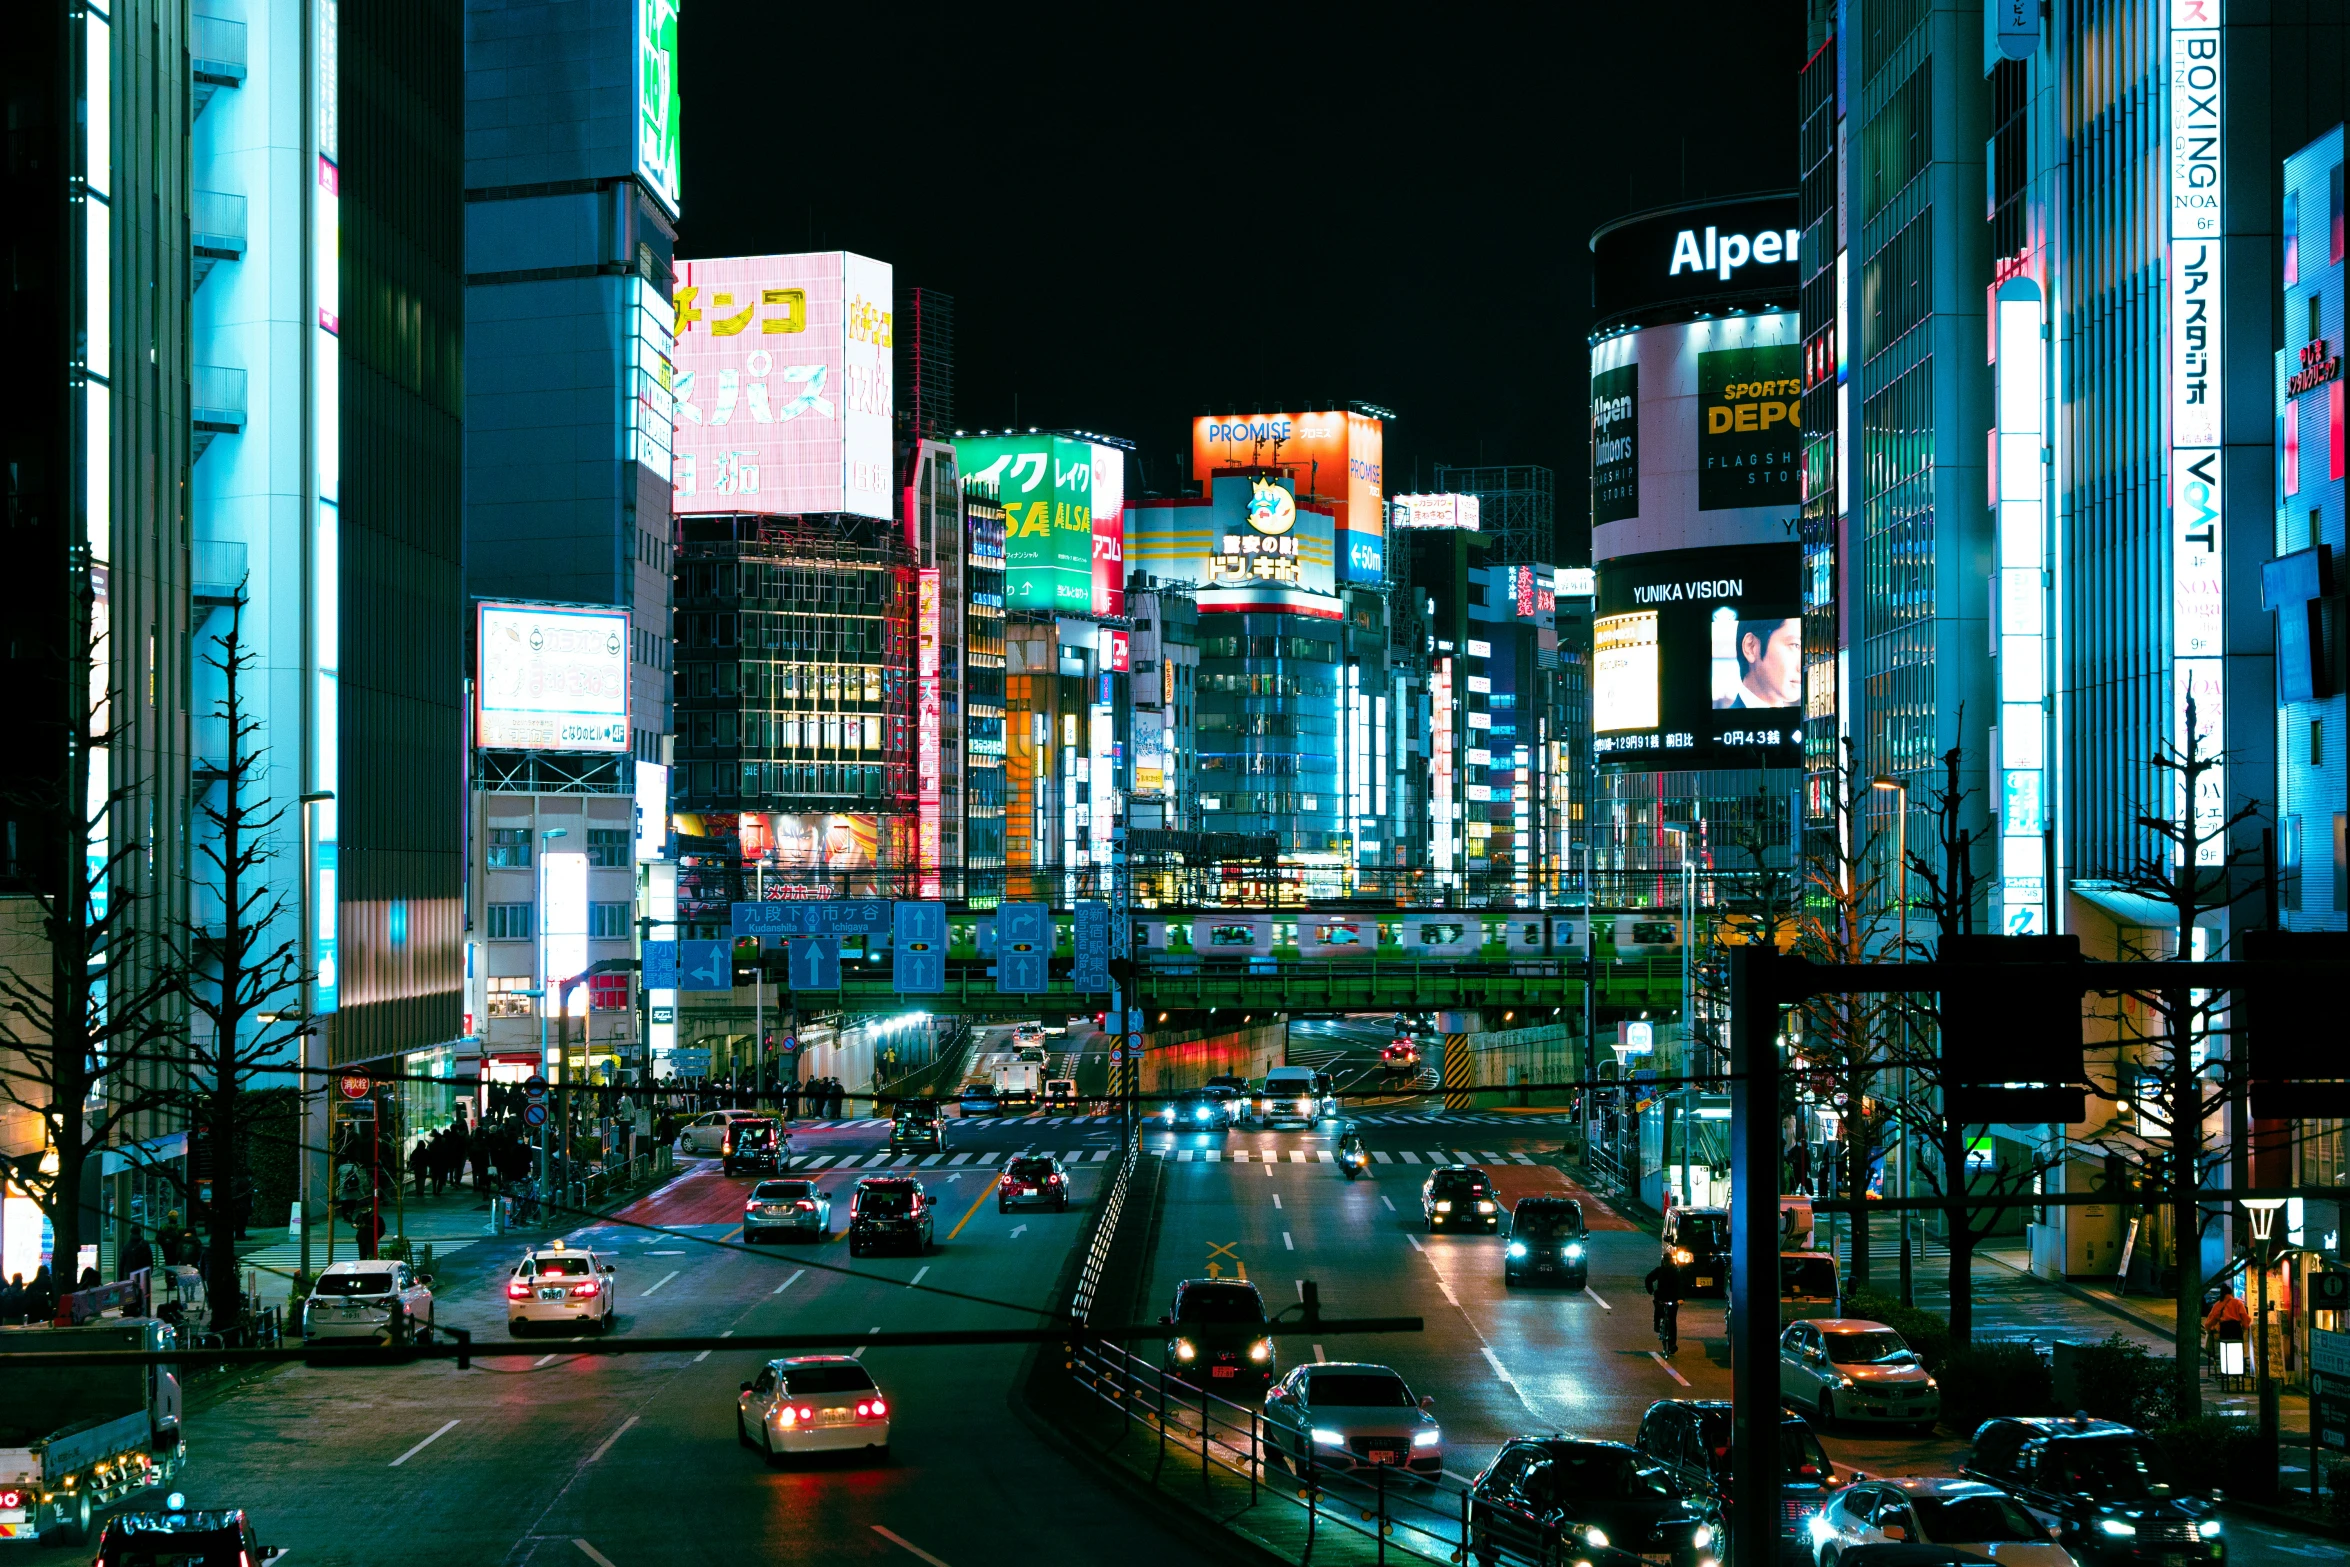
(1105, 1234)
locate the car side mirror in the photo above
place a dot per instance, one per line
(424, 1281)
(1427, 1400)
(609, 1269)
(746, 1387)
(1166, 1321)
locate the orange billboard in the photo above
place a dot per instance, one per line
(1336, 456)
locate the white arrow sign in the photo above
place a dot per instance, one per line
(1019, 1230)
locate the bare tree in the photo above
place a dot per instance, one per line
(87, 1036)
(2189, 870)
(1846, 918)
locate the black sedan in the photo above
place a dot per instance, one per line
(1545, 1499)
(1459, 1197)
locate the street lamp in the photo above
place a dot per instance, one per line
(545, 988)
(2264, 1223)
(1901, 870)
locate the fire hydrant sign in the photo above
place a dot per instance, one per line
(356, 1085)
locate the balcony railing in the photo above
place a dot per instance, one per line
(217, 233)
(216, 56)
(217, 407)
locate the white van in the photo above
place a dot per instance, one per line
(1291, 1094)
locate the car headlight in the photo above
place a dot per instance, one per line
(1325, 1437)
(1822, 1531)
(1595, 1538)
(1305, 1107)
(1484, 1207)
(1444, 1206)
(1517, 1248)
(2115, 1526)
(1261, 1351)
(1185, 1349)
(1684, 1258)
(2208, 1528)
(1427, 1438)
(1200, 1114)
(1572, 1250)
(1703, 1537)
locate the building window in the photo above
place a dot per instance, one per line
(509, 922)
(509, 848)
(607, 847)
(509, 996)
(608, 921)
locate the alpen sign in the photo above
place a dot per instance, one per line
(2318, 366)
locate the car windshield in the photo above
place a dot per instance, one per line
(800, 1381)
(1547, 1219)
(378, 1282)
(1031, 1169)
(214, 1548)
(750, 1133)
(1358, 1390)
(1703, 1232)
(1974, 1520)
(1462, 1183)
(885, 1201)
(1814, 1277)
(1868, 1347)
(2122, 1471)
(788, 1190)
(563, 1267)
(1802, 1461)
(1224, 1304)
(1595, 1473)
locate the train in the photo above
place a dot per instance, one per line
(1264, 940)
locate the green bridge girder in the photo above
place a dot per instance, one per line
(1287, 987)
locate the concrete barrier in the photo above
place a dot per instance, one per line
(1173, 1062)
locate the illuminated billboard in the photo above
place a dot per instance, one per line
(551, 678)
(1046, 485)
(1434, 511)
(1109, 529)
(1336, 457)
(1251, 544)
(656, 100)
(812, 842)
(783, 397)
(1697, 659)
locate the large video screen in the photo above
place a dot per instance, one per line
(1697, 658)
(551, 678)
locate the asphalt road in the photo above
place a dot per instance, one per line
(592, 1460)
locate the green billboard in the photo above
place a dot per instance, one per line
(656, 99)
(1046, 485)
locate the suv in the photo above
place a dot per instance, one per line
(1033, 1177)
(1691, 1436)
(1219, 1324)
(890, 1210)
(211, 1535)
(753, 1145)
(1546, 1242)
(1459, 1197)
(918, 1126)
(2104, 1486)
(1697, 1250)
(707, 1133)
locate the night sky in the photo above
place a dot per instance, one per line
(1147, 213)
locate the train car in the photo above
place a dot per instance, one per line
(1233, 938)
(1570, 935)
(1330, 937)
(1449, 937)
(1647, 935)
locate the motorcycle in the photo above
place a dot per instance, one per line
(1352, 1161)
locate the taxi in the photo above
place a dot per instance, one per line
(812, 1404)
(565, 1285)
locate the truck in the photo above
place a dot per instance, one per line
(1018, 1082)
(75, 1440)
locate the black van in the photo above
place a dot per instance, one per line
(1546, 1243)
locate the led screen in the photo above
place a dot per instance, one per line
(656, 99)
(1697, 659)
(551, 678)
(1046, 485)
(783, 398)
(1109, 530)
(1336, 457)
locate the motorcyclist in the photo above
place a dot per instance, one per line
(1351, 1157)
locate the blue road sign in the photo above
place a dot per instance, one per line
(815, 963)
(821, 917)
(1091, 972)
(1024, 947)
(918, 949)
(705, 965)
(660, 962)
(1644, 1074)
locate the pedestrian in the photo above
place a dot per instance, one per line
(791, 1100)
(240, 1203)
(167, 1239)
(12, 1301)
(136, 1254)
(833, 1097)
(40, 1298)
(1799, 1169)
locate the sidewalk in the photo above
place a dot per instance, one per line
(458, 1217)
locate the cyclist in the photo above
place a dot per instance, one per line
(1664, 1283)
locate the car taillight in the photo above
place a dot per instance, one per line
(10, 1501)
(589, 1288)
(806, 1413)
(1056, 1180)
(790, 1416)
(807, 1206)
(517, 1290)
(880, 1407)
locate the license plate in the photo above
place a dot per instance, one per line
(1705, 1281)
(1223, 1371)
(1381, 1455)
(554, 1294)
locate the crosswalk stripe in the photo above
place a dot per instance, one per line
(1379, 1156)
(1211, 1155)
(1325, 1156)
(1408, 1157)
(1297, 1156)
(1183, 1156)
(1521, 1158)
(1099, 1154)
(959, 1158)
(931, 1159)
(987, 1158)
(1240, 1156)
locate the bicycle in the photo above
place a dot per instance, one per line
(1668, 1325)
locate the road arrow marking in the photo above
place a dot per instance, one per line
(1019, 1230)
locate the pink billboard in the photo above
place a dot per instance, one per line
(1109, 529)
(784, 403)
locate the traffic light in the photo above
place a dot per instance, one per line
(2011, 1029)
(2281, 1029)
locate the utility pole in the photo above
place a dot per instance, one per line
(1901, 1122)
(546, 989)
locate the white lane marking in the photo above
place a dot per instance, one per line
(592, 1554)
(1415, 1240)
(1325, 1155)
(1019, 1230)
(1443, 1285)
(705, 1354)
(917, 1278)
(1499, 1369)
(859, 1352)
(1319, 1357)
(898, 1540)
(959, 1158)
(1267, 1161)
(1286, 1243)
(614, 1437)
(664, 1253)
(1382, 1156)
(788, 1283)
(1668, 1365)
(665, 1278)
(1297, 1156)
(1390, 1205)
(1301, 1289)
(1594, 1294)
(421, 1446)
(1100, 1154)
(542, 1360)
(1276, 1199)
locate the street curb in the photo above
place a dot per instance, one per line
(2111, 1308)
(2284, 1518)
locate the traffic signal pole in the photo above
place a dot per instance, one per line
(1754, 1251)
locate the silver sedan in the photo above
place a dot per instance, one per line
(786, 1209)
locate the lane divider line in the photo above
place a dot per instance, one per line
(1594, 1294)
(788, 1283)
(1276, 1199)
(1286, 1243)
(917, 1278)
(614, 1437)
(542, 1360)
(898, 1540)
(421, 1446)
(671, 1274)
(986, 1191)
(1499, 1369)
(1319, 1357)
(1415, 1240)
(592, 1554)
(1383, 1197)
(1668, 1365)
(859, 1352)
(705, 1354)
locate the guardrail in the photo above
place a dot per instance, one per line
(1105, 1234)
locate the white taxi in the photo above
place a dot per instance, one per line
(812, 1404)
(559, 1283)
(375, 1299)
